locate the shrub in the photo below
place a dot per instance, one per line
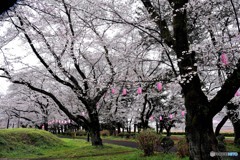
(105, 133)
(167, 143)
(81, 133)
(127, 135)
(121, 134)
(237, 142)
(148, 141)
(68, 132)
(220, 138)
(133, 135)
(221, 143)
(182, 148)
(222, 146)
(73, 135)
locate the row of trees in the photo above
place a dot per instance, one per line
(83, 51)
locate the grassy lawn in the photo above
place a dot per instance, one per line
(35, 144)
(118, 138)
(70, 148)
(137, 155)
(32, 144)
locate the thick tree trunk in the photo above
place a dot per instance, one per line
(220, 125)
(145, 125)
(94, 129)
(45, 126)
(201, 137)
(236, 127)
(95, 138)
(199, 125)
(233, 115)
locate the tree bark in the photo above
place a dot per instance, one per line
(236, 127)
(157, 126)
(134, 128)
(233, 115)
(168, 132)
(95, 136)
(8, 122)
(119, 128)
(200, 136)
(145, 124)
(94, 129)
(220, 125)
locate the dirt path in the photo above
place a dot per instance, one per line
(133, 144)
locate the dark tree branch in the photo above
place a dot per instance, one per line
(228, 90)
(162, 24)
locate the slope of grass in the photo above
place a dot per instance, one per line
(15, 142)
(31, 143)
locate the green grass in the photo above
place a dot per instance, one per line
(232, 148)
(137, 155)
(17, 142)
(118, 138)
(32, 143)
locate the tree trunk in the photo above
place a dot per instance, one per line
(201, 138)
(45, 126)
(220, 125)
(199, 127)
(161, 127)
(157, 126)
(88, 137)
(134, 128)
(168, 131)
(233, 115)
(95, 137)
(8, 122)
(119, 128)
(94, 129)
(145, 125)
(236, 127)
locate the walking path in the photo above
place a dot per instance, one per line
(133, 144)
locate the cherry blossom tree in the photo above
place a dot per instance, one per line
(33, 108)
(185, 28)
(200, 110)
(75, 50)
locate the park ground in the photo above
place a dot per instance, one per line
(41, 145)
